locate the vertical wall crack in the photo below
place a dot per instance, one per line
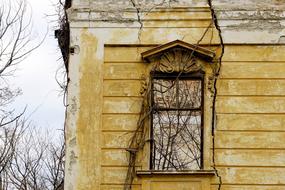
(139, 139)
(217, 72)
(138, 12)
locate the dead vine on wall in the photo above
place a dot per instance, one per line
(217, 72)
(140, 137)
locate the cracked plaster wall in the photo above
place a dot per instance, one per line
(242, 22)
(125, 4)
(251, 21)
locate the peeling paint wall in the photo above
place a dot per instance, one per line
(105, 81)
(251, 21)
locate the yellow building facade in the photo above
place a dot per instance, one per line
(121, 50)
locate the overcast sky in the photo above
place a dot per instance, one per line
(36, 74)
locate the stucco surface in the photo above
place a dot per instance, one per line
(106, 75)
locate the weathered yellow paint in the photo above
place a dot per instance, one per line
(124, 54)
(203, 23)
(251, 105)
(175, 182)
(254, 53)
(239, 54)
(252, 175)
(116, 139)
(253, 70)
(251, 122)
(266, 140)
(251, 87)
(151, 23)
(124, 70)
(88, 126)
(115, 175)
(114, 158)
(185, 185)
(122, 105)
(122, 88)
(164, 15)
(246, 158)
(190, 35)
(118, 187)
(249, 131)
(117, 157)
(120, 122)
(249, 187)
(131, 54)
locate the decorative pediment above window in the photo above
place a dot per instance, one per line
(178, 56)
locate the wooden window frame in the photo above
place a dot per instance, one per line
(199, 76)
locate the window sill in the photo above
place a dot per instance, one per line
(186, 172)
(178, 180)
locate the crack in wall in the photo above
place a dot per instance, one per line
(139, 139)
(139, 12)
(236, 14)
(217, 72)
(139, 18)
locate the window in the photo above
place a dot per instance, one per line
(180, 98)
(177, 122)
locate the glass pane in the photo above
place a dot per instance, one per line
(164, 92)
(176, 140)
(190, 93)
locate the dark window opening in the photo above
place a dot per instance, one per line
(177, 122)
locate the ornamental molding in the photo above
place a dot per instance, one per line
(181, 57)
(178, 60)
(196, 50)
(178, 56)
